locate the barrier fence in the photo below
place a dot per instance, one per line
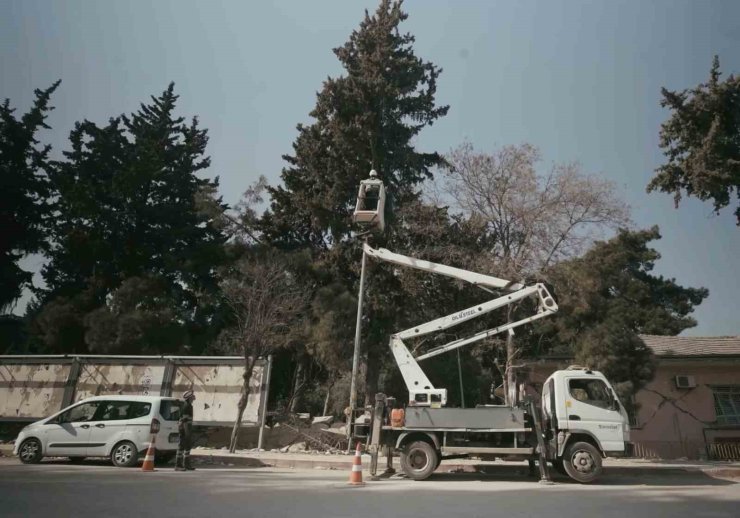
(33, 387)
(686, 449)
(724, 451)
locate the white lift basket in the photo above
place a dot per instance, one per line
(370, 208)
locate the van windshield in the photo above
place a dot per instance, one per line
(170, 409)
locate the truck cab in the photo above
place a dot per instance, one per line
(583, 421)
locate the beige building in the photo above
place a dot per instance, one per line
(691, 409)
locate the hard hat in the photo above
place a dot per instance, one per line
(188, 394)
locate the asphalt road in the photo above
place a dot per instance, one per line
(95, 489)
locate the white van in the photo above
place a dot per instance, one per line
(118, 427)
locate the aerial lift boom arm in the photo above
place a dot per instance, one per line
(421, 391)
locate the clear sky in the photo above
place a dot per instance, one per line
(579, 79)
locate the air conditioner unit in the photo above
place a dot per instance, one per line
(685, 382)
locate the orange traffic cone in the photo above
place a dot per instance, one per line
(149, 459)
(355, 476)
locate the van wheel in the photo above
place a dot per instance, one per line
(30, 451)
(419, 460)
(124, 454)
(582, 462)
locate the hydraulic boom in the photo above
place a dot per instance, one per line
(421, 390)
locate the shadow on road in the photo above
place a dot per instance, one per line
(613, 476)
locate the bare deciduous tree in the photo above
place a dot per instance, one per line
(533, 219)
(267, 304)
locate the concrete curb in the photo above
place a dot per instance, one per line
(300, 462)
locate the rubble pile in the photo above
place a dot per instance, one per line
(317, 435)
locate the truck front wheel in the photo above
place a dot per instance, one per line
(419, 460)
(582, 462)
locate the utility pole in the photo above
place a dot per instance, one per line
(370, 213)
(356, 355)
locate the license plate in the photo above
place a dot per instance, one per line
(174, 437)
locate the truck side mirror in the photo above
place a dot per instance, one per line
(613, 401)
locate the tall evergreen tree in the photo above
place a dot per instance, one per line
(365, 119)
(609, 296)
(24, 192)
(127, 209)
(701, 141)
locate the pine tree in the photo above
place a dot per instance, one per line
(127, 210)
(365, 119)
(701, 141)
(606, 299)
(24, 192)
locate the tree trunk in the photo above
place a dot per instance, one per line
(510, 381)
(248, 368)
(510, 378)
(327, 399)
(297, 390)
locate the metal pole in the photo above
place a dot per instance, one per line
(356, 356)
(459, 374)
(265, 399)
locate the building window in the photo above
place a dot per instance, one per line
(727, 403)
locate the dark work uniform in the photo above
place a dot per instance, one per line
(185, 428)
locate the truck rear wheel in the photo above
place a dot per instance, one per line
(582, 462)
(419, 460)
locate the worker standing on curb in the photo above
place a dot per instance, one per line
(185, 428)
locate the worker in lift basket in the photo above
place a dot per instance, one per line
(185, 427)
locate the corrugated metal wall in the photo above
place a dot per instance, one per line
(33, 387)
(32, 390)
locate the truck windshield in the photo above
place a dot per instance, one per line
(590, 391)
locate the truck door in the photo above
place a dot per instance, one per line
(589, 407)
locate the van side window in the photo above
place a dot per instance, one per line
(170, 409)
(80, 413)
(590, 391)
(113, 411)
(139, 409)
(120, 410)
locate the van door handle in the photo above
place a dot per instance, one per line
(85, 426)
(574, 417)
(100, 425)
